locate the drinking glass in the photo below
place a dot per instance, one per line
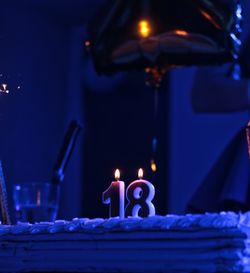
(36, 202)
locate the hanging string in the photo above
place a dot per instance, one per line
(154, 79)
(154, 143)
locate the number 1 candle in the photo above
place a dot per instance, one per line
(114, 197)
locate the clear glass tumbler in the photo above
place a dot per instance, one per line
(36, 202)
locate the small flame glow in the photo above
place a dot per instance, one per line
(181, 32)
(144, 28)
(140, 173)
(117, 174)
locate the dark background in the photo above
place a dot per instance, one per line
(42, 51)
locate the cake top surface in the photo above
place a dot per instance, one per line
(223, 220)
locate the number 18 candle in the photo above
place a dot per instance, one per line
(114, 196)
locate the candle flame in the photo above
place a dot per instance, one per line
(140, 173)
(181, 32)
(144, 28)
(117, 174)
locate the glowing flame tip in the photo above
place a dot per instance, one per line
(140, 173)
(117, 174)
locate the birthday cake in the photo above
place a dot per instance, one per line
(190, 243)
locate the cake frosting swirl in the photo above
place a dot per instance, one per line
(189, 243)
(208, 220)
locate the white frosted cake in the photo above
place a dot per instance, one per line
(190, 243)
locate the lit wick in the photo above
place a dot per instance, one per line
(117, 174)
(140, 173)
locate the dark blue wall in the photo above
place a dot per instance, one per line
(42, 51)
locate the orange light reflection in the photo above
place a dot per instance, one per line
(209, 17)
(144, 28)
(181, 32)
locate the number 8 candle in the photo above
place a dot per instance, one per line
(140, 193)
(114, 196)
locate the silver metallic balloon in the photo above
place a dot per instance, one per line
(131, 34)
